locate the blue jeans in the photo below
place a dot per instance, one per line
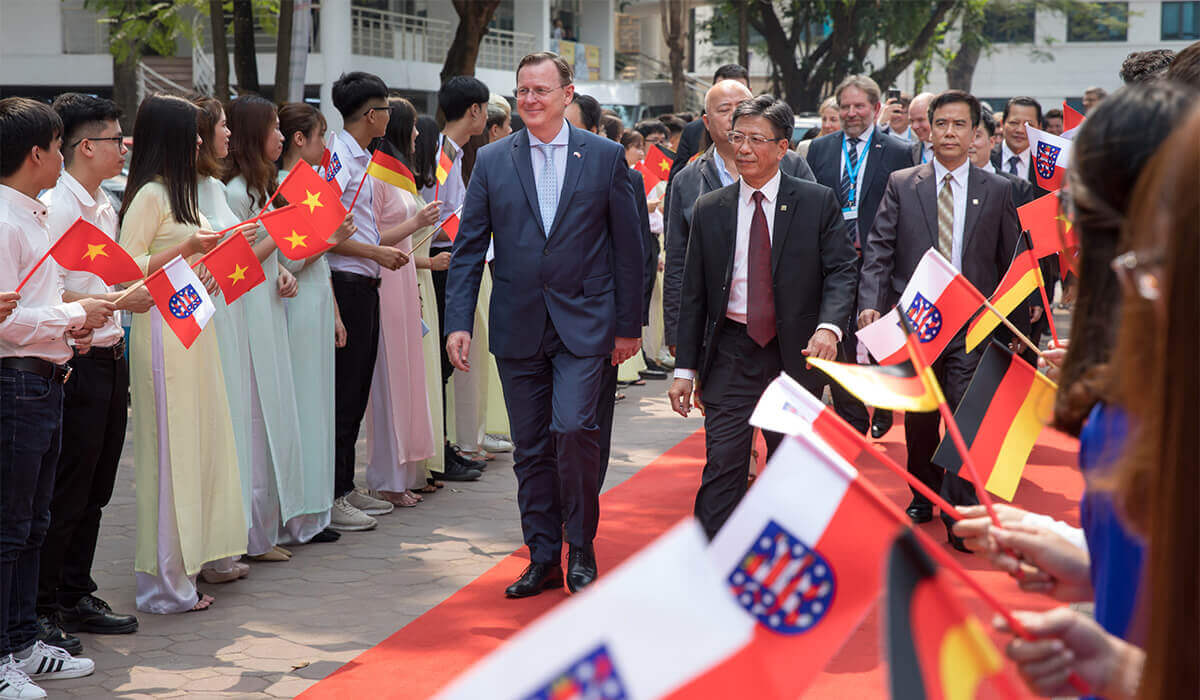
(30, 437)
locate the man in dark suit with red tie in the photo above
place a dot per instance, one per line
(769, 280)
(968, 215)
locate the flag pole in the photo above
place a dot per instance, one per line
(35, 267)
(947, 416)
(1021, 336)
(1041, 286)
(360, 186)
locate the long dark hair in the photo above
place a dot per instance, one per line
(1111, 148)
(208, 115)
(251, 118)
(164, 137)
(298, 117)
(425, 151)
(400, 126)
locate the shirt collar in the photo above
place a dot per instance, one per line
(76, 188)
(770, 190)
(351, 144)
(862, 138)
(562, 138)
(1006, 153)
(719, 161)
(959, 174)
(24, 203)
(988, 167)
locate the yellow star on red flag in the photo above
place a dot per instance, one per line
(238, 274)
(312, 200)
(296, 240)
(94, 250)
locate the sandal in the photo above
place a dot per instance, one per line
(398, 498)
(213, 576)
(284, 552)
(435, 483)
(427, 488)
(619, 397)
(414, 495)
(203, 602)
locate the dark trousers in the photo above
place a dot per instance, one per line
(30, 436)
(739, 374)
(95, 410)
(921, 430)
(553, 401)
(608, 406)
(358, 301)
(439, 292)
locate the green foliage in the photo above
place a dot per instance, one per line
(141, 27)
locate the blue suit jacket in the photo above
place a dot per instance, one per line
(586, 275)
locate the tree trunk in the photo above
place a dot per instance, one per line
(125, 91)
(960, 71)
(473, 18)
(283, 50)
(744, 34)
(245, 59)
(673, 35)
(220, 48)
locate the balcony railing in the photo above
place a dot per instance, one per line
(411, 38)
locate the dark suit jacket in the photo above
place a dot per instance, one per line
(906, 226)
(649, 243)
(586, 275)
(689, 145)
(812, 264)
(888, 154)
(697, 178)
(998, 153)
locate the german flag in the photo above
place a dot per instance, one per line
(445, 161)
(1022, 279)
(895, 387)
(388, 165)
(1006, 405)
(936, 649)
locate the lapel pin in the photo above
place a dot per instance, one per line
(782, 207)
(576, 154)
(975, 202)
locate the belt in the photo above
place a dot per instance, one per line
(36, 365)
(354, 278)
(112, 352)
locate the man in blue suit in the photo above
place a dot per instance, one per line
(558, 206)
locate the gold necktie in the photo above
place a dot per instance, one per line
(946, 219)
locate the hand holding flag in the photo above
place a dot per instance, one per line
(85, 248)
(292, 232)
(235, 267)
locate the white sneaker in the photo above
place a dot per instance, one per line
(491, 443)
(369, 504)
(344, 516)
(48, 663)
(15, 683)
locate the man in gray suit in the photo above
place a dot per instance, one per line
(712, 170)
(969, 216)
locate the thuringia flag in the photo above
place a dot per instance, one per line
(181, 299)
(1051, 157)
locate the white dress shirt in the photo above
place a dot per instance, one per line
(988, 168)
(68, 201)
(558, 145)
(926, 152)
(958, 186)
(1006, 153)
(735, 310)
(36, 328)
(355, 159)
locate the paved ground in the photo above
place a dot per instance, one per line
(290, 624)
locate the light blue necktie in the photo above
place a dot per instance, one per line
(547, 186)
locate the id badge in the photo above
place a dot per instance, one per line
(850, 213)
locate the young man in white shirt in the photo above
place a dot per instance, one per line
(34, 352)
(96, 397)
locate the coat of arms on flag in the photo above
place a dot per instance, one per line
(335, 166)
(1046, 159)
(592, 676)
(783, 582)
(925, 317)
(184, 302)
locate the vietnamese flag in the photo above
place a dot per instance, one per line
(801, 555)
(450, 226)
(292, 231)
(235, 267)
(1049, 229)
(936, 650)
(939, 301)
(320, 199)
(1051, 157)
(181, 299)
(657, 162)
(85, 248)
(1002, 413)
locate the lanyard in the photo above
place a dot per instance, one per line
(852, 170)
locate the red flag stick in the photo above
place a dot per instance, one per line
(360, 185)
(142, 282)
(34, 268)
(1041, 287)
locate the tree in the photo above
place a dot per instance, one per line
(245, 58)
(216, 15)
(283, 50)
(672, 12)
(473, 19)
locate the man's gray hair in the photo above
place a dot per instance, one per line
(770, 108)
(862, 82)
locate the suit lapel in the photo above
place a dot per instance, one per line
(874, 168)
(785, 207)
(576, 160)
(729, 202)
(976, 198)
(523, 162)
(708, 171)
(927, 195)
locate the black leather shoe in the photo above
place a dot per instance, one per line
(881, 423)
(581, 568)
(919, 514)
(50, 633)
(327, 535)
(93, 615)
(957, 542)
(652, 374)
(537, 578)
(457, 472)
(452, 455)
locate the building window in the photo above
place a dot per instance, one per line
(1009, 22)
(1097, 21)
(1179, 21)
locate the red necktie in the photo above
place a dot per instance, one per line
(760, 305)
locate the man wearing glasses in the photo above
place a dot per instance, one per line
(96, 394)
(762, 290)
(558, 204)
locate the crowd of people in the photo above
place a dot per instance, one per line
(569, 277)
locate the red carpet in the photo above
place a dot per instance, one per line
(431, 650)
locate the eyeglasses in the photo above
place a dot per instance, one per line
(737, 138)
(540, 92)
(1140, 271)
(373, 109)
(119, 140)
